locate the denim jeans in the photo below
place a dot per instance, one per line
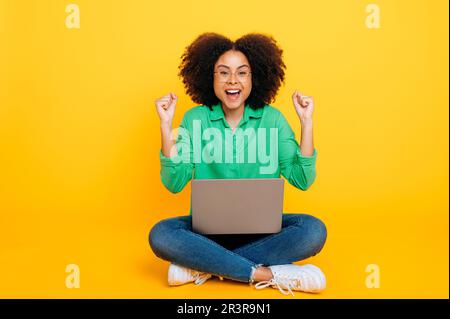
(237, 256)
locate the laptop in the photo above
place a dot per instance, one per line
(237, 206)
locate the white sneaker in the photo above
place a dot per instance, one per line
(179, 275)
(307, 278)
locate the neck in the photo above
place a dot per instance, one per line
(233, 114)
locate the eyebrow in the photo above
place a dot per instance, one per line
(225, 66)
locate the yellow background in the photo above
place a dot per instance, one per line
(79, 141)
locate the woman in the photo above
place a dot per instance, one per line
(234, 82)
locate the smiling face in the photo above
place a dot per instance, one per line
(232, 79)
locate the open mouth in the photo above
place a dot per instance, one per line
(233, 94)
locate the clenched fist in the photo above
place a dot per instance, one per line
(165, 106)
(304, 105)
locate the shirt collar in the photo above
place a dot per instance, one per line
(217, 112)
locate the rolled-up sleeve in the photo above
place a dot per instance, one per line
(299, 170)
(177, 171)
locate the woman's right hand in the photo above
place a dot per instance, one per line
(165, 106)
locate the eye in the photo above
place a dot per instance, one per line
(223, 72)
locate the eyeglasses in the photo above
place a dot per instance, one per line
(224, 75)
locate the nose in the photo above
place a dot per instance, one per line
(232, 78)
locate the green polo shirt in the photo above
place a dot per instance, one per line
(262, 146)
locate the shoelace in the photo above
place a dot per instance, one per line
(200, 278)
(273, 282)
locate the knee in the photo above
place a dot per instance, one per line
(156, 237)
(162, 236)
(159, 236)
(316, 233)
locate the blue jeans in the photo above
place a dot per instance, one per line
(236, 257)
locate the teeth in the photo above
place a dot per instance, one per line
(232, 91)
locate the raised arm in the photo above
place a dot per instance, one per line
(176, 167)
(298, 162)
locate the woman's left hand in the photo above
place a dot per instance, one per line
(304, 105)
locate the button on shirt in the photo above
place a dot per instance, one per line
(263, 145)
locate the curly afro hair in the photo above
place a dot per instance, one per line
(262, 52)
